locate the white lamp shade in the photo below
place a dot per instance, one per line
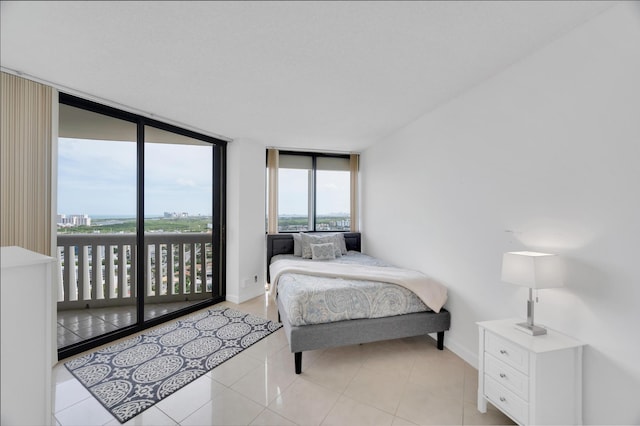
(532, 269)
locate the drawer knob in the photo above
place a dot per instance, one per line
(503, 352)
(503, 399)
(503, 376)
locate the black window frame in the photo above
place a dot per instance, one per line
(314, 156)
(219, 210)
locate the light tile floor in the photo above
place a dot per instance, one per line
(398, 382)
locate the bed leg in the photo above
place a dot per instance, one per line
(279, 320)
(298, 356)
(440, 340)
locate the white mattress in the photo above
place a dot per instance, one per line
(316, 300)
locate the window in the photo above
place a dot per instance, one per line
(313, 192)
(332, 194)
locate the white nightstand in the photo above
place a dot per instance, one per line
(535, 380)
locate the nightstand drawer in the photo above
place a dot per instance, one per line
(507, 352)
(508, 377)
(506, 400)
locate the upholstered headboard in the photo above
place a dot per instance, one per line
(283, 244)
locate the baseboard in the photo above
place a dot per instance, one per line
(247, 294)
(454, 346)
(233, 298)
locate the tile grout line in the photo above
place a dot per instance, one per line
(341, 394)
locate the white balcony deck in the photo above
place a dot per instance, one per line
(75, 325)
(97, 290)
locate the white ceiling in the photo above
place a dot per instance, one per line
(315, 75)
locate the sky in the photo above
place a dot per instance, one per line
(332, 192)
(98, 178)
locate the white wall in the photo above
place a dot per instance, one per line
(246, 252)
(543, 156)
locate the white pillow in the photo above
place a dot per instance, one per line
(308, 239)
(341, 242)
(297, 245)
(324, 251)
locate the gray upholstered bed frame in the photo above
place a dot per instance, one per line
(350, 332)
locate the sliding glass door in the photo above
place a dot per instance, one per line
(140, 223)
(178, 221)
(96, 224)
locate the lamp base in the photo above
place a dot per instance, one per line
(532, 330)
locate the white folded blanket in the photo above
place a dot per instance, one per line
(431, 292)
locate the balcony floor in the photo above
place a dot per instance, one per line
(80, 324)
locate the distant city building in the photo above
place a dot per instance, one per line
(174, 215)
(346, 223)
(74, 220)
(293, 224)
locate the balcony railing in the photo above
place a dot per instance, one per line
(99, 270)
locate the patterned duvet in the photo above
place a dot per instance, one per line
(316, 300)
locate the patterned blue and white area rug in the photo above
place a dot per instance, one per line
(131, 376)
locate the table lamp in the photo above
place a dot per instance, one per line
(535, 271)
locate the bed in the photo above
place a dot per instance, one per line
(310, 336)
